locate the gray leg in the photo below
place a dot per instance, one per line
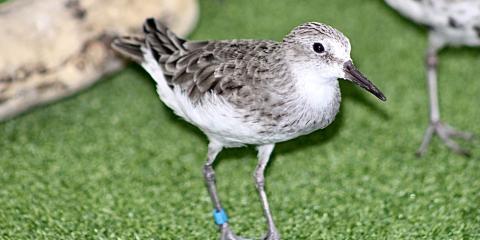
(454, 133)
(431, 62)
(264, 153)
(209, 174)
(444, 131)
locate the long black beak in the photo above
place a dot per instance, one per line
(357, 77)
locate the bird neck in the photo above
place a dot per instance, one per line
(319, 95)
(319, 100)
(312, 84)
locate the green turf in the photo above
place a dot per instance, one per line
(114, 163)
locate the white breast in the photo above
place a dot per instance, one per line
(319, 99)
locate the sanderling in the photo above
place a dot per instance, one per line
(450, 22)
(248, 92)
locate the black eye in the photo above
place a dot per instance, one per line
(318, 48)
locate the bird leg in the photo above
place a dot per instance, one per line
(219, 214)
(264, 153)
(444, 131)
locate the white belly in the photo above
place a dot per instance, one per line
(224, 123)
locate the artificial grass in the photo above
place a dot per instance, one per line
(114, 163)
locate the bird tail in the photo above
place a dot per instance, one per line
(130, 47)
(158, 39)
(412, 9)
(161, 40)
(152, 51)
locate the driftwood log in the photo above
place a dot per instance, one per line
(50, 49)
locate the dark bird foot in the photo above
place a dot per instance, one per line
(446, 133)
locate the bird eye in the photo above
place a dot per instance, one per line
(318, 48)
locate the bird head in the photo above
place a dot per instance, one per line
(322, 54)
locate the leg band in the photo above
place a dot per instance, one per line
(220, 217)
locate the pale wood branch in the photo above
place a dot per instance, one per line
(50, 49)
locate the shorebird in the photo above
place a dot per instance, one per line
(450, 23)
(248, 92)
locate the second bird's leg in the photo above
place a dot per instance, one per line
(219, 214)
(264, 153)
(444, 131)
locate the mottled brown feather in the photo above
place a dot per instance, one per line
(233, 69)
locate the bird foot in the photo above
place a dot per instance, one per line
(272, 235)
(227, 234)
(446, 133)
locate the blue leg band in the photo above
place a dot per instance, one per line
(220, 217)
